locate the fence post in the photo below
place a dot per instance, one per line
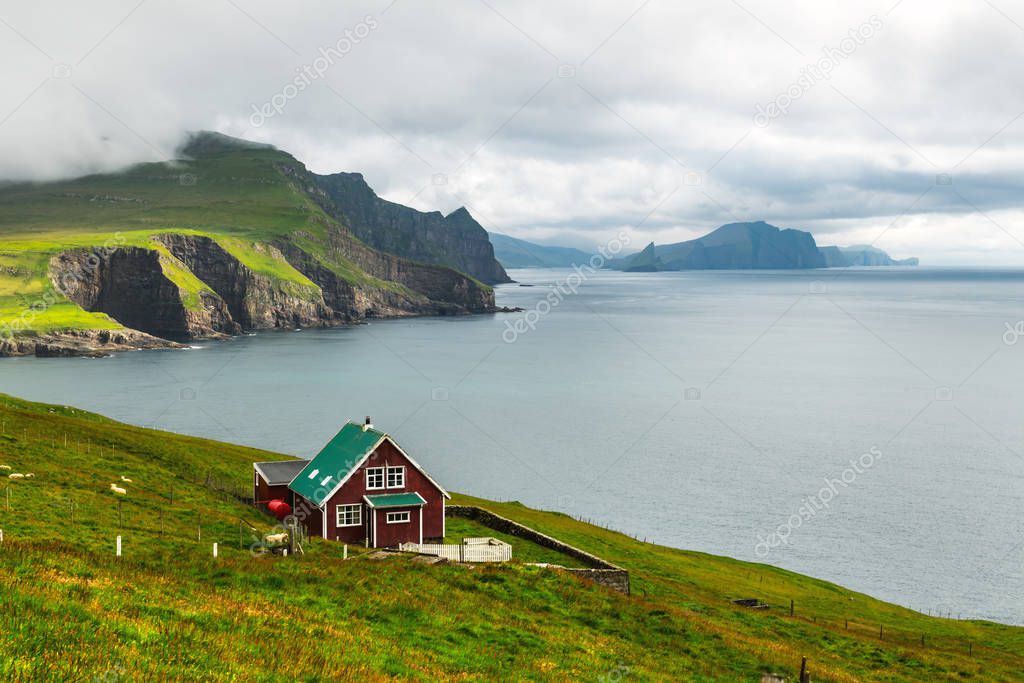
(791, 607)
(803, 670)
(344, 552)
(214, 551)
(119, 546)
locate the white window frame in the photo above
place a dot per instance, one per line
(374, 471)
(387, 476)
(347, 507)
(394, 517)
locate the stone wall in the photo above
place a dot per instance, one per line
(616, 579)
(597, 570)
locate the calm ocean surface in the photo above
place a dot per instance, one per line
(700, 410)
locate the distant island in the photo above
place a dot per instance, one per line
(735, 246)
(516, 253)
(861, 255)
(755, 245)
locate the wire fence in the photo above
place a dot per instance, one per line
(169, 511)
(880, 631)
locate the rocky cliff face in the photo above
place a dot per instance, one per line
(455, 240)
(255, 301)
(441, 290)
(132, 285)
(129, 285)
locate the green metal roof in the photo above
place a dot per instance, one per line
(335, 461)
(395, 500)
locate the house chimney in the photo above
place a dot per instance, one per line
(368, 424)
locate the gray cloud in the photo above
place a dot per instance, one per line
(560, 123)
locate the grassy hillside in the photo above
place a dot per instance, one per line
(167, 610)
(243, 196)
(234, 195)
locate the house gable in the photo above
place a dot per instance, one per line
(409, 493)
(346, 454)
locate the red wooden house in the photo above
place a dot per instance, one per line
(360, 488)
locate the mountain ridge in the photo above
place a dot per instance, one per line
(456, 240)
(750, 246)
(231, 236)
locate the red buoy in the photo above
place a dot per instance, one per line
(279, 508)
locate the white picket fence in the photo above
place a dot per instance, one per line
(471, 550)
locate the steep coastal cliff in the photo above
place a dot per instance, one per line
(234, 236)
(455, 240)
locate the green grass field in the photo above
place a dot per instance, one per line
(167, 610)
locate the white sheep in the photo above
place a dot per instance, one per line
(15, 476)
(276, 538)
(29, 475)
(125, 479)
(5, 467)
(117, 489)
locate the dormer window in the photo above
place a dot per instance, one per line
(374, 478)
(396, 477)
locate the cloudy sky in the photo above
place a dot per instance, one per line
(894, 123)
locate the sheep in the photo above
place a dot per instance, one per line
(276, 538)
(125, 479)
(5, 467)
(117, 489)
(15, 476)
(29, 475)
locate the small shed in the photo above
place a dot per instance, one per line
(271, 479)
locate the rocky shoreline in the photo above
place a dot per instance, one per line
(83, 343)
(103, 343)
